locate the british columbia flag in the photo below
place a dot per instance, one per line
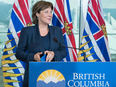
(62, 19)
(94, 41)
(13, 69)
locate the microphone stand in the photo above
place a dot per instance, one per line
(84, 56)
(73, 48)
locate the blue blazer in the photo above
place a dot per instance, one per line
(30, 43)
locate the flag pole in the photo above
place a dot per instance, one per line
(80, 24)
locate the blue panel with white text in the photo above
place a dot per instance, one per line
(72, 74)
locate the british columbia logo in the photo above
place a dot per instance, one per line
(51, 78)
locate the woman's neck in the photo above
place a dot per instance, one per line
(43, 26)
(43, 29)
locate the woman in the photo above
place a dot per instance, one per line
(37, 40)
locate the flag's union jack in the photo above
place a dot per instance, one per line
(95, 40)
(13, 69)
(62, 19)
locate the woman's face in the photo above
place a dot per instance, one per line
(45, 16)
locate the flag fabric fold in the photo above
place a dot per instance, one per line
(62, 19)
(94, 41)
(13, 69)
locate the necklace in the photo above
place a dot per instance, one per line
(44, 31)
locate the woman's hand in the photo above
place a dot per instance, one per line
(50, 55)
(37, 56)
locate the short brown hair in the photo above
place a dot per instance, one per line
(38, 6)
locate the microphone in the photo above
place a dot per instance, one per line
(56, 40)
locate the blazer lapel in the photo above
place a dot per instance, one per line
(39, 40)
(51, 30)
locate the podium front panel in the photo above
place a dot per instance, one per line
(72, 74)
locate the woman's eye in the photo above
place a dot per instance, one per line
(46, 11)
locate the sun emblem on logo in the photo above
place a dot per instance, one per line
(50, 78)
(103, 27)
(67, 28)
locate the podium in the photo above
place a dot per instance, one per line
(72, 74)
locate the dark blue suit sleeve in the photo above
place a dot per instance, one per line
(21, 53)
